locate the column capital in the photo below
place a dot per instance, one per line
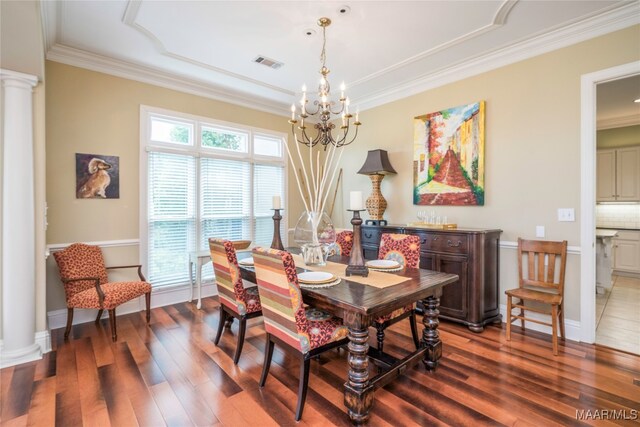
(17, 77)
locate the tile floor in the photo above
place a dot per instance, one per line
(618, 315)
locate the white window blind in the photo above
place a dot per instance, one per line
(267, 182)
(205, 179)
(171, 217)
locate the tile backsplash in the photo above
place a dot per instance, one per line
(618, 216)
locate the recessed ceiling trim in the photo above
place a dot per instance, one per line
(79, 58)
(613, 20)
(129, 18)
(618, 122)
(499, 19)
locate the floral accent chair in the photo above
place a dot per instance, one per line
(344, 242)
(86, 284)
(236, 301)
(405, 249)
(305, 331)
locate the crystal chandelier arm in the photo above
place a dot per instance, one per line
(340, 110)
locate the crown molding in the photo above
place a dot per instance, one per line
(594, 26)
(618, 122)
(91, 61)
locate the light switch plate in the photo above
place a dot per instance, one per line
(566, 215)
(539, 230)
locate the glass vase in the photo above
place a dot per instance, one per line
(315, 234)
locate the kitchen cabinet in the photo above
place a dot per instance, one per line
(618, 175)
(626, 251)
(471, 254)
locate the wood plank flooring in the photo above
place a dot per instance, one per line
(170, 373)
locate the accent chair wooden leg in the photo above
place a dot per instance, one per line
(69, 323)
(221, 322)
(99, 316)
(268, 353)
(112, 321)
(554, 329)
(380, 335)
(522, 314)
(147, 298)
(561, 316)
(509, 319)
(241, 330)
(302, 388)
(414, 329)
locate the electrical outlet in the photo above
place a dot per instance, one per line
(539, 230)
(566, 215)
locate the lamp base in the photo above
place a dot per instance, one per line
(379, 222)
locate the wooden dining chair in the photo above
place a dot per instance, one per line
(86, 284)
(305, 331)
(543, 283)
(236, 301)
(405, 249)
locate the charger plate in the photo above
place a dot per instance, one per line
(321, 285)
(383, 264)
(246, 261)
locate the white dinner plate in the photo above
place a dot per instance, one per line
(316, 277)
(246, 261)
(383, 264)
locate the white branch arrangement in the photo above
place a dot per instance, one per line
(318, 180)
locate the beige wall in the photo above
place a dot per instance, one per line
(618, 137)
(90, 112)
(532, 147)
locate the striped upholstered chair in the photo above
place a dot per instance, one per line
(236, 301)
(405, 249)
(306, 331)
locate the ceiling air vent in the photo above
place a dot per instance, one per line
(271, 63)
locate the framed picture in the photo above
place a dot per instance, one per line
(448, 157)
(97, 176)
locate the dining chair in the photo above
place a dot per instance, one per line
(543, 283)
(404, 249)
(305, 331)
(344, 242)
(86, 284)
(236, 301)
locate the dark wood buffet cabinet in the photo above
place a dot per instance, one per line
(472, 254)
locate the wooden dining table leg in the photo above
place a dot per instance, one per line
(430, 335)
(358, 391)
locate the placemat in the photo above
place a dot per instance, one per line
(377, 279)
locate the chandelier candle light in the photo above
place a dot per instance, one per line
(314, 230)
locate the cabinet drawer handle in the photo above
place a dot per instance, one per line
(452, 245)
(423, 241)
(368, 235)
(435, 238)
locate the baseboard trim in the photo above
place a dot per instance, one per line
(626, 274)
(571, 327)
(506, 244)
(160, 297)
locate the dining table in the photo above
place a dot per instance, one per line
(359, 301)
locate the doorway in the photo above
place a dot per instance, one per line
(589, 84)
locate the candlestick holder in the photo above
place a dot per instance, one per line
(356, 265)
(276, 243)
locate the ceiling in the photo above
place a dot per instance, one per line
(615, 104)
(382, 50)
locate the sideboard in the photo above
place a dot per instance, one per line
(472, 254)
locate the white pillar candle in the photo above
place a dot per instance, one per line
(355, 202)
(277, 202)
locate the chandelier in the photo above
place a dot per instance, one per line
(324, 109)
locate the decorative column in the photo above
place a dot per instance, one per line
(18, 217)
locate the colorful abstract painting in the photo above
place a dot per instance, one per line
(97, 176)
(448, 159)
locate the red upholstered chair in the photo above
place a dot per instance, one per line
(86, 284)
(344, 242)
(236, 301)
(305, 331)
(405, 249)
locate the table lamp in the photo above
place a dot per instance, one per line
(376, 165)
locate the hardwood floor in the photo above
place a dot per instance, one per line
(170, 373)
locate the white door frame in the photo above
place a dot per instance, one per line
(588, 191)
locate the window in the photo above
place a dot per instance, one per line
(201, 178)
